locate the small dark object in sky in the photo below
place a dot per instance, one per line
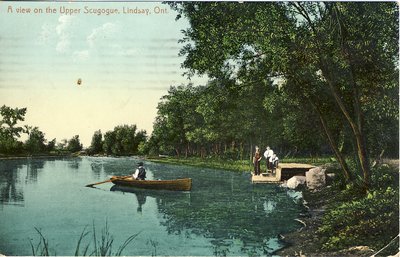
(79, 82)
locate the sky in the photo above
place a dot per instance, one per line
(126, 62)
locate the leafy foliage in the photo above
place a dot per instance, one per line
(358, 219)
(9, 131)
(36, 141)
(123, 140)
(74, 144)
(331, 60)
(96, 145)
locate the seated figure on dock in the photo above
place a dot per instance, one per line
(274, 161)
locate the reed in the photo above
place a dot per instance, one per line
(101, 246)
(42, 247)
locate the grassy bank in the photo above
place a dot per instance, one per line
(233, 165)
(211, 163)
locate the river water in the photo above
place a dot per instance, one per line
(224, 214)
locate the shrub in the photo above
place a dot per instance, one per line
(359, 219)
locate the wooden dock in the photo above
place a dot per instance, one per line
(283, 172)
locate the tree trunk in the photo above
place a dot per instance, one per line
(360, 143)
(338, 154)
(356, 124)
(241, 150)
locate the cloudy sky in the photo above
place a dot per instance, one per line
(126, 63)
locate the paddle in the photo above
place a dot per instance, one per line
(102, 182)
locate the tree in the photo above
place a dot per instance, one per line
(123, 140)
(74, 144)
(175, 117)
(10, 118)
(9, 131)
(96, 145)
(51, 145)
(349, 50)
(109, 141)
(36, 142)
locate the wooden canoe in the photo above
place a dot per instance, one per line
(183, 184)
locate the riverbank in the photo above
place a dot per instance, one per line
(307, 240)
(341, 221)
(211, 163)
(233, 165)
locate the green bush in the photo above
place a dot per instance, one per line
(358, 219)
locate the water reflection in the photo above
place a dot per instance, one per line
(9, 192)
(224, 214)
(246, 220)
(74, 163)
(11, 188)
(97, 168)
(140, 195)
(33, 166)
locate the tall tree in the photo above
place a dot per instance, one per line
(352, 47)
(96, 146)
(123, 140)
(74, 144)
(9, 131)
(36, 142)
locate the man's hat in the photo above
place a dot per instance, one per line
(140, 164)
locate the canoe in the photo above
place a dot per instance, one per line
(183, 184)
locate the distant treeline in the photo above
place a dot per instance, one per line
(10, 133)
(123, 140)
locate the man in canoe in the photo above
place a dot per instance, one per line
(140, 172)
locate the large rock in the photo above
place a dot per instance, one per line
(295, 181)
(315, 178)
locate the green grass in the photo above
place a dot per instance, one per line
(212, 163)
(233, 165)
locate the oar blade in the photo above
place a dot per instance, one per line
(109, 180)
(98, 183)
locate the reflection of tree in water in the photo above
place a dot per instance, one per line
(249, 221)
(10, 178)
(9, 192)
(74, 163)
(97, 168)
(33, 166)
(237, 217)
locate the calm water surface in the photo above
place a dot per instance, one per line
(224, 214)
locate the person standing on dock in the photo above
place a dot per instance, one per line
(268, 155)
(140, 172)
(256, 161)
